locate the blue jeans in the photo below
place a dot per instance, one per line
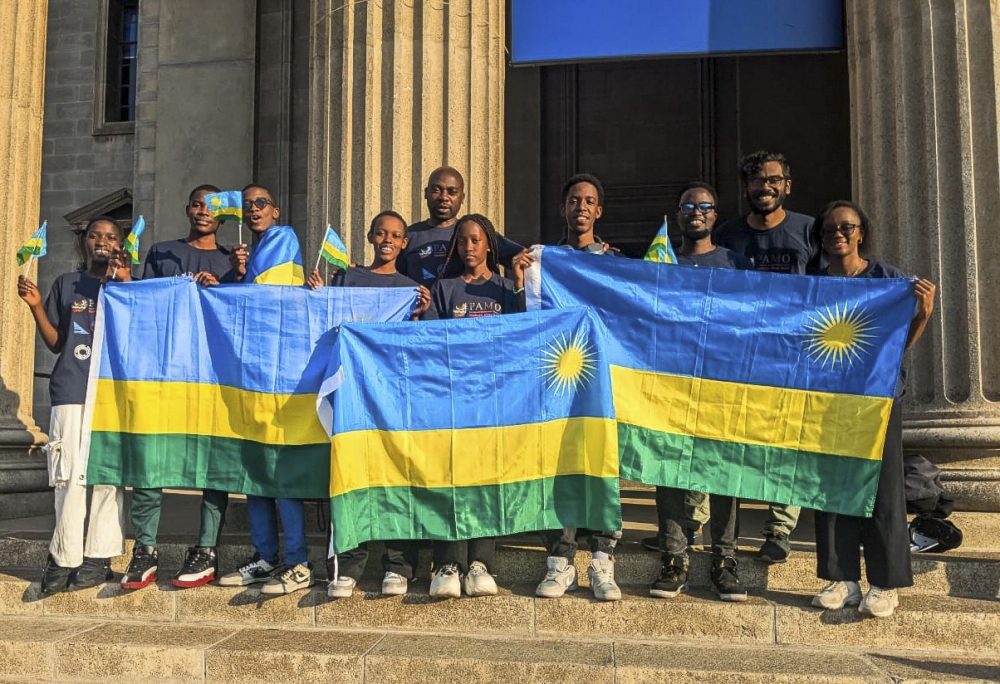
(264, 528)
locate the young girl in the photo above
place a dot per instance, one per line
(66, 325)
(841, 228)
(388, 235)
(471, 286)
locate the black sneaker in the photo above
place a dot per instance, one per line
(725, 581)
(141, 571)
(775, 549)
(201, 565)
(694, 537)
(93, 572)
(55, 578)
(672, 580)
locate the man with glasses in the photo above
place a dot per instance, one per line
(696, 216)
(781, 241)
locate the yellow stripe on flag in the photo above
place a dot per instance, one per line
(288, 273)
(818, 422)
(452, 458)
(154, 408)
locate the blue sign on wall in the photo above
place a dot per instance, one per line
(573, 30)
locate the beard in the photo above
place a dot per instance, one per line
(779, 200)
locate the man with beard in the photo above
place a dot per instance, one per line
(780, 241)
(696, 216)
(423, 258)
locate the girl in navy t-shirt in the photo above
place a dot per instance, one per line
(471, 286)
(66, 325)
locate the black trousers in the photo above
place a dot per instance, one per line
(466, 552)
(565, 542)
(885, 536)
(400, 557)
(671, 515)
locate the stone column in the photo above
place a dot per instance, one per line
(396, 90)
(23, 480)
(924, 104)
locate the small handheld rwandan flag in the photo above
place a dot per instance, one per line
(226, 206)
(661, 250)
(132, 241)
(35, 246)
(333, 249)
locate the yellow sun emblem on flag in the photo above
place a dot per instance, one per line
(568, 363)
(839, 336)
(216, 202)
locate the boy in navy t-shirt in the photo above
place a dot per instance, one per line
(201, 257)
(425, 254)
(66, 325)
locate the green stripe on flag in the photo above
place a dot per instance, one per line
(836, 484)
(207, 462)
(489, 511)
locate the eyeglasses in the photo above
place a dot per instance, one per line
(761, 181)
(845, 229)
(691, 207)
(260, 203)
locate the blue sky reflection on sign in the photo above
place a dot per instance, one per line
(571, 30)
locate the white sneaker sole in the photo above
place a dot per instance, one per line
(279, 589)
(663, 593)
(394, 589)
(340, 592)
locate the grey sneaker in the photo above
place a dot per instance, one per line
(601, 574)
(560, 578)
(478, 581)
(289, 580)
(254, 570)
(879, 602)
(394, 584)
(836, 595)
(342, 588)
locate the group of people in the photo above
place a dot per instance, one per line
(454, 262)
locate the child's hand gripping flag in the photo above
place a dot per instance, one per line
(661, 250)
(35, 246)
(333, 250)
(131, 246)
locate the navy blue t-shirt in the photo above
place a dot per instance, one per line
(178, 258)
(455, 298)
(362, 276)
(427, 249)
(874, 269)
(786, 248)
(720, 257)
(71, 308)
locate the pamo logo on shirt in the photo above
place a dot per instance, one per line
(472, 309)
(82, 352)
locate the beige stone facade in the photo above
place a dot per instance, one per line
(343, 109)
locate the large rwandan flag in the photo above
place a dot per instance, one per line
(215, 388)
(757, 385)
(460, 429)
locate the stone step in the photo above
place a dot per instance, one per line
(770, 617)
(521, 560)
(61, 649)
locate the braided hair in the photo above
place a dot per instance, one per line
(453, 265)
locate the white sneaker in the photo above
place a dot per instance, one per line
(342, 588)
(290, 579)
(479, 582)
(560, 578)
(446, 583)
(602, 580)
(394, 584)
(836, 595)
(255, 570)
(879, 602)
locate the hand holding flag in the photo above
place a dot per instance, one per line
(661, 251)
(35, 247)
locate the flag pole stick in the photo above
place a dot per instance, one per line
(318, 258)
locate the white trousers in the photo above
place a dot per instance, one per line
(67, 470)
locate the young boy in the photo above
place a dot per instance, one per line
(582, 205)
(198, 256)
(388, 235)
(66, 325)
(276, 260)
